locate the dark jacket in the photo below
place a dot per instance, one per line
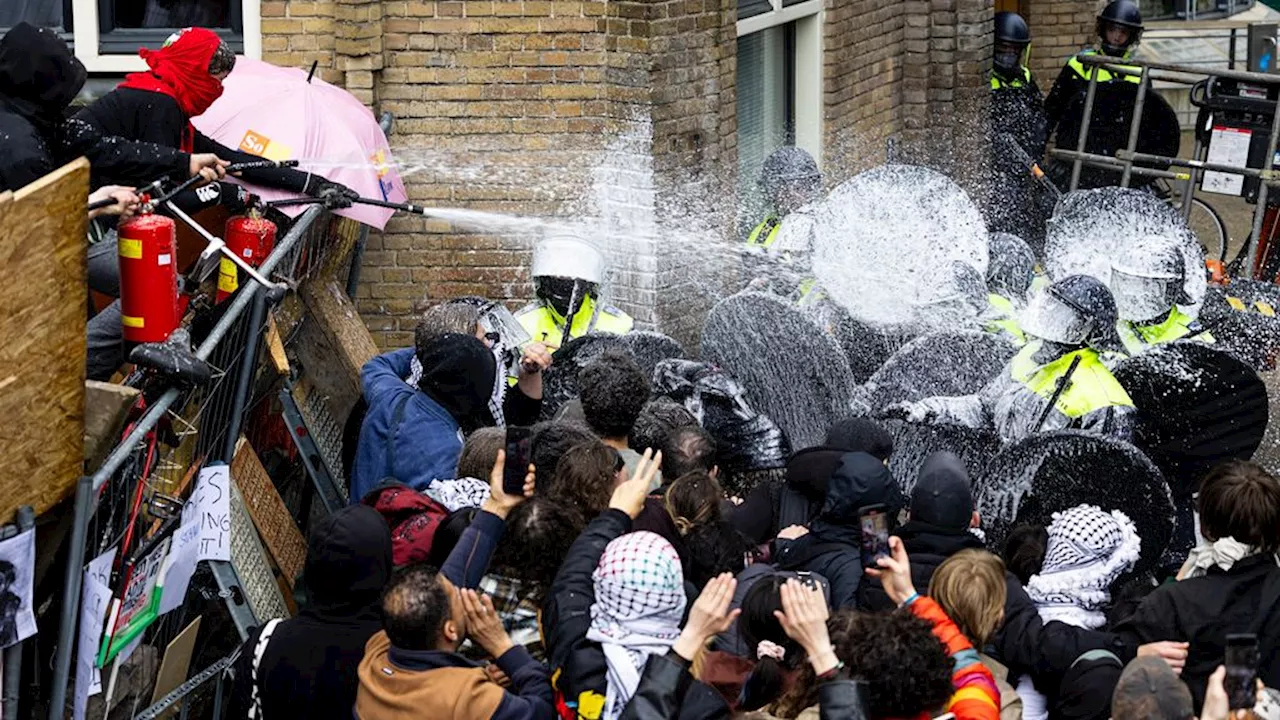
(413, 435)
(928, 546)
(1204, 610)
(578, 664)
(39, 77)
(308, 668)
(1017, 112)
(833, 547)
(154, 117)
(666, 682)
(400, 684)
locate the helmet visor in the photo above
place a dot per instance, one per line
(1141, 298)
(498, 319)
(1050, 319)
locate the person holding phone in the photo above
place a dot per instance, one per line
(1230, 585)
(851, 531)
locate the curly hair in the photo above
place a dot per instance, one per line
(906, 668)
(713, 548)
(550, 441)
(539, 533)
(613, 391)
(584, 478)
(660, 418)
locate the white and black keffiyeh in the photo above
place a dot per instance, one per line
(1088, 550)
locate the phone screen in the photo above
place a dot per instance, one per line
(875, 534)
(517, 462)
(1242, 671)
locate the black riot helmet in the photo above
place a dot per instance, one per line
(790, 178)
(1124, 14)
(1011, 28)
(1012, 38)
(1076, 310)
(1011, 267)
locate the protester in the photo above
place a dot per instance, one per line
(585, 478)
(414, 434)
(833, 546)
(412, 667)
(661, 418)
(975, 693)
(306, 666)
(1148, 689)
(1229, 584)
(688, 449)
(970, 587)
(550, 441)
(613, 392)
(860, 434)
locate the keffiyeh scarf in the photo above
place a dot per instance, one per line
(639, 589)
(1088, 550)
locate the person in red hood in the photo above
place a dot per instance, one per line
(183, 78)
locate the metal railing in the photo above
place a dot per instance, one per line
(1126, 158)
(232, 348)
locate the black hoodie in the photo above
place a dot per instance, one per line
(833, 546)
(39, 77)
(308, 669)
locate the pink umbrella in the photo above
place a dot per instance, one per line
(278, 114)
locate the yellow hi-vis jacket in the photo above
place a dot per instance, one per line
(546, 326)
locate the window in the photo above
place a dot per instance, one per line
(778, 87)
(106, 34)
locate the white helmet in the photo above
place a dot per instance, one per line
(568, 256)
(1147, 279)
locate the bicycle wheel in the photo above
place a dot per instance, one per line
(1209, 229)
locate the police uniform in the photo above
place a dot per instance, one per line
(787, 256)
(1176, 326)
(546, 326)
(1013, 402)
(1016, 110)
(1004, 320)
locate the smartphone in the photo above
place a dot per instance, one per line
(517, 463)
(1242, 671)
(875, 534)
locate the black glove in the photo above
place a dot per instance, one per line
(229, 195)
(335, 195)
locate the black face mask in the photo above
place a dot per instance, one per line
(1006, 64)
(558, 292)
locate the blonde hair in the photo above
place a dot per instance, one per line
(970, 587)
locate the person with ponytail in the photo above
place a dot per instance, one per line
(779, 683)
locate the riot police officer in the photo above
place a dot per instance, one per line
(567, 273)
(1147, 279)
(1016, 116)
(1057, 381)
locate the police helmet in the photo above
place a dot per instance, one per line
(1011, 28)
(1126, 14)
(566, 265)
(1076, 310)
(1012, 265)
(1148, 279)
(789, 166)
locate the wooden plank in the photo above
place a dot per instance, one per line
(271, 517)
(275, 348)
(42, 318)
(105, 408)
(332, 345)
(175, 665)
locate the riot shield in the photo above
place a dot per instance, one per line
(866, 345)
(1090, 227)
(939, 365)
(560, 382)
(650, 348)
(913, 442)
(792, 371)
(1052, 472)
(1197, 406)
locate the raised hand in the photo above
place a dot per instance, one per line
(709, 616)
(501, 503)
(629, 496)
(804, 618)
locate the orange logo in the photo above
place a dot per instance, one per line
(255, 143)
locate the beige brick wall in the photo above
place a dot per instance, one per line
(1059, 29)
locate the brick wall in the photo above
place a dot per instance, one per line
(622, 111)
(1059, 29)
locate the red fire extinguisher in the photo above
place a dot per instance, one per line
(251, 238)
(148, 278)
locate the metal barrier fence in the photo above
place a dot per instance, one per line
(207, 423)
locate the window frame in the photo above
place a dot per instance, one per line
(116, 50)
(806, 61)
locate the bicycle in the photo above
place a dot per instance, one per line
(1205, 222)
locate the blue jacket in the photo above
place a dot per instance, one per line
(423, 446)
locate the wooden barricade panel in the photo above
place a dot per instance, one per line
(275, 525)
(42, 318)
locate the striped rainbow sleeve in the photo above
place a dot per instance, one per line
(976, 696)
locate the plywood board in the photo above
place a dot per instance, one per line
(271, 517)
(333, 345)
(42, 319)
(175, 665)
(105, 407)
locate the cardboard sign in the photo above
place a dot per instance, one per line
(210, 506)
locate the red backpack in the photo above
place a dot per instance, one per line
(413, 518)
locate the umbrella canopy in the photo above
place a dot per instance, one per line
(278, 114)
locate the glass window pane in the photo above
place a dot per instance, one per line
(764, 87)
(41, 13)
(172, 13)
